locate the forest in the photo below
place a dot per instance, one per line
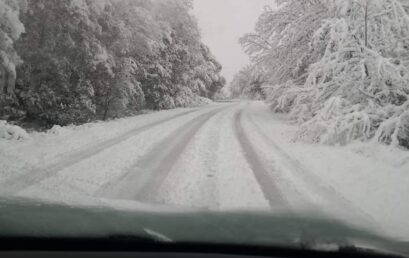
(75, 61)
(339, 69)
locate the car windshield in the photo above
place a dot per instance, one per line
(218, 113)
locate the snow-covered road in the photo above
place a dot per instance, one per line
(225, 156)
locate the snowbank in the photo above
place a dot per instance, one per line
(204, 101)
(373, 177)
(12, 132)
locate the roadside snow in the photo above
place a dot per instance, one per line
(12, 132)
(373, 178)
(87, 176)
(42, 149)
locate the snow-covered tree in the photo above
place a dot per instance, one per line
(58, 50)
(340, 68)
(98, 59)
(10, 30)
(285, 35)
(248, 83)
(181, 67)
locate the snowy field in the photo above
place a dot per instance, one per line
(230, 156)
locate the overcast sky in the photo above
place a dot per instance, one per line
(222, 23)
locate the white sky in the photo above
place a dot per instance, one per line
(222, 23)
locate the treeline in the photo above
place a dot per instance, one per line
(74, 61)
(340, 69)
(248, 83)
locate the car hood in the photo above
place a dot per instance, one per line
(34, 218)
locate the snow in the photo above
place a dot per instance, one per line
(44, 149)
(101, 167)
(206, 166)
(219, 177)
(371, 176)
(12, 132)
(339, 80)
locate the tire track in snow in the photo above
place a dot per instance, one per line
(143, 180)
(192, 181)
(261, 172)
(212, 173)
(17, 183)
(343, 206)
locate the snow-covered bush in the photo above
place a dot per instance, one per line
(369, 81)
(185, 98)
(203, 101)
(394, 129)
(337, 122)
(351, 82)
(12, 132)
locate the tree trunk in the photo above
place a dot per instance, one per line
(366, 23)
(7, 81)
(105, 114)
(108, 101)
(2, 80)
(106, 110)
(11, 82)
